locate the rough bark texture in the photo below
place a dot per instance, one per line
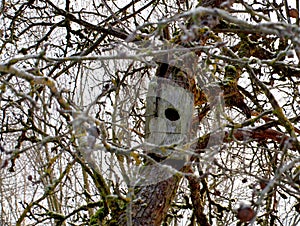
(151, 202)
(157, 200)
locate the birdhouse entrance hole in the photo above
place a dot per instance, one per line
(172, 114)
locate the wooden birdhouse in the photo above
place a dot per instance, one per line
(168, 116)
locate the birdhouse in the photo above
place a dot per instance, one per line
(168, 117)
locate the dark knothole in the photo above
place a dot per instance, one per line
(172, 114)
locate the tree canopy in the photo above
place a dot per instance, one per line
(157, 112)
